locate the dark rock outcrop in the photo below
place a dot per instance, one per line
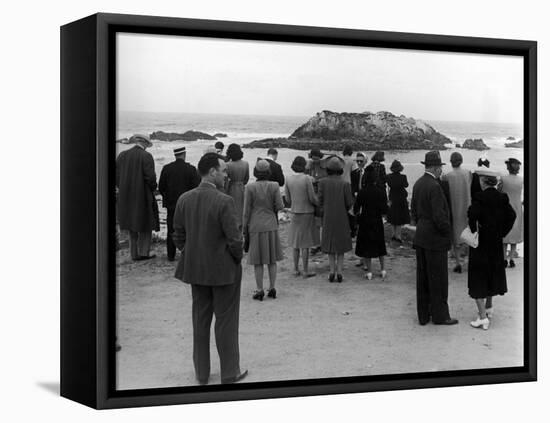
(475, 144)
(186, 136)
(362, 131)
(517, 144)
(220, 135)
(510, 139)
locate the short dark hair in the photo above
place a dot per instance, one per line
(348, 151)
(335, 172)
(234, 152)
(299, 164)
(272, 151)
(207, 162)
(262, 175)
(219, 145)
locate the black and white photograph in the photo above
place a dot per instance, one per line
(290, 211)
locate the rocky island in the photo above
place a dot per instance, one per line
(517, 144)
(362, 131)
(475, 144)
(186, 136)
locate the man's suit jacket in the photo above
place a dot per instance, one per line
(430, 211)
(355, 175)
(175, 179)
(276, 172)
(205, 229)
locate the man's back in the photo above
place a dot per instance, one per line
(430, 210)
(177, 178)
(205, 225)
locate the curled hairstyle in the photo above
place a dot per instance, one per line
(348, 151)
(489, 180)
(207, 162)
(219, 145)
(299, 164)
(262, 175)
(234, 152)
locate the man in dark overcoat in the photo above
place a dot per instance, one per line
(176, 178)
(136, 182)
(432, 240)
(274, 167)
(207, 233)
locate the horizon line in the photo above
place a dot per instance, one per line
(308, 116)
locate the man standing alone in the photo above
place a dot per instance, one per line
(136, 182)
(432, 240)
(207, 233)
(175, 179)
(275, 168)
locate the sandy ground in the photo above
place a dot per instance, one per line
(314, 329)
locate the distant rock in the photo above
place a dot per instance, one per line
(186, 136)
(458, 146)
(475, 144)
(517, 144)
(510, 139)
(362, 131)
(220, 135)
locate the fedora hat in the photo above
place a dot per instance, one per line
(179, 150)
(432, 158)
(141, 138)
(486, 172)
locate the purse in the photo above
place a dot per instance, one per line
(470, 238)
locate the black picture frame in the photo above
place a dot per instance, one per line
(87, 209)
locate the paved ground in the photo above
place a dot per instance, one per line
(314, 329)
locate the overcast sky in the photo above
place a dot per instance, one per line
(201, 75)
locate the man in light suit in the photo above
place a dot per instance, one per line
(207, 233)
(432, 240)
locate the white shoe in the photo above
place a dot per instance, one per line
(383, 273)
(480, 323)
(368, 275)
(489, 312)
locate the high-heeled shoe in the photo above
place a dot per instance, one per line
(331, 277)
(368, 275)
(458, 268)
(339, 278)
(480, 323)
(272, 293)
(383, 274)
(258, 295)
(512, 263)
(505, 263)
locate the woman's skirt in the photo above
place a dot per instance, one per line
(265, 248)
(303, 232)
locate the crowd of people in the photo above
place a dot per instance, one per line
(215, 214)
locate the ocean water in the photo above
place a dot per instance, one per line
(242, 129)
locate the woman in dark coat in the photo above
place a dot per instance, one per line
(335, 199)
(369, 207)
(379, 170)
(398, 212)
(492, 215)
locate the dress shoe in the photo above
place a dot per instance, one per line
(447, 322)
(505, 263)
(258, 295)
(118, 347)
(423, 322)
(339, 278)
(480, 323)
(331, 277)
(308, 274)
(457, 269)
(368, 275)
(202, 381)
(171, 258)
(141, 258)
(512, 263)
(237, 378)
(272, 293)
(383, 274)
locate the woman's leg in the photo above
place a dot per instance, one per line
(272, 271)
(296, 257)
(513, 251)
(381, 258)
(368, 263)
(259, 274)
(398, 231)
(480, 302)
(339, 263)
(332, 263)
(305, 262)
(489, 302)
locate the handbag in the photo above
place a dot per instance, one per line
(470, 238)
